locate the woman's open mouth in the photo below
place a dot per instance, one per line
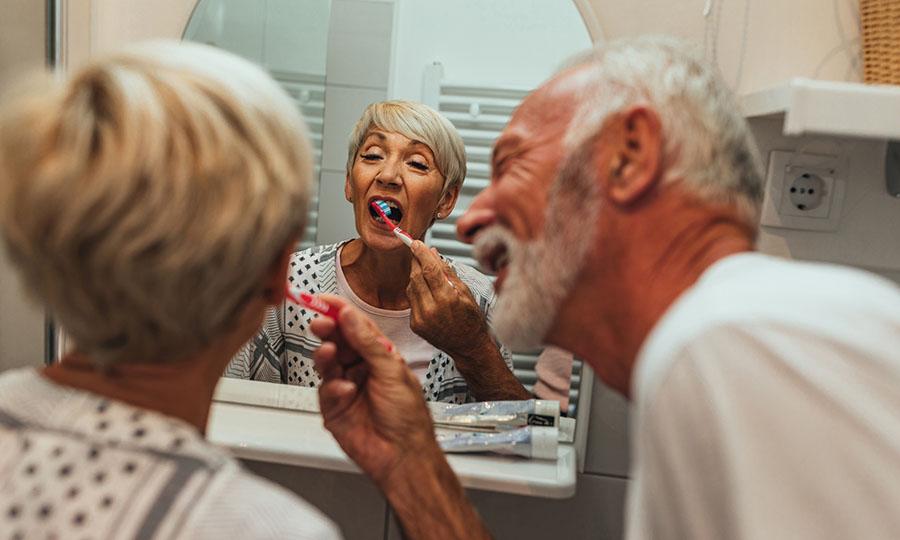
(394, 211)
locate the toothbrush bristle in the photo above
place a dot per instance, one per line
(383, 209)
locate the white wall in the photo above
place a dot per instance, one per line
(784, 38)
(21, 321)
(870, 218)
(507, 43)
(283, 35)
(114, 22)
(768, 42)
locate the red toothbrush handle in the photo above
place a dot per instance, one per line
(314, 303)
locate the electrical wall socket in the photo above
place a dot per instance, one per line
(803, 191)
(806, 193)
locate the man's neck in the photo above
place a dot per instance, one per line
(641, 269)
(378, 278)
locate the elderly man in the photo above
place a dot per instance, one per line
(620, 221)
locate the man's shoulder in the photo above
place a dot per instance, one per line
(753, 303)
(247, 506)
(757, 288)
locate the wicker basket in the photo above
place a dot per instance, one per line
(881, 40)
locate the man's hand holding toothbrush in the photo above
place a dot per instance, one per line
(373, 405)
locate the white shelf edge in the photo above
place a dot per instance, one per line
(297, 438)
(829, 108)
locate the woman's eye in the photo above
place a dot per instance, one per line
(418, 165)
(370, 157)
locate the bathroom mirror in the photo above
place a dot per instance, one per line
(473, 60)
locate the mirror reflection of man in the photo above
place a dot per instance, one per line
(621, 221)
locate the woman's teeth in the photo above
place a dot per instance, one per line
(394, 213)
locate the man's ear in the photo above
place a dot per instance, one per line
(632, 158)
(275, 278)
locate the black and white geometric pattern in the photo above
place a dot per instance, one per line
(282, 350)
(77, 465)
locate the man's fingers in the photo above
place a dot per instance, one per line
(323, 327)
(335, 397)
(325, 361)
(364, 337)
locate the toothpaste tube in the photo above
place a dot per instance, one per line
(530, 441)
(497, 415)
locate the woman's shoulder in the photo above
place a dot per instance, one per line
(481, 285)
(313, 268)
(317, 254)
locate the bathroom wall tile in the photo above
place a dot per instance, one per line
(608, 433)
(350, 500)
(359, 43)
(336, 221)
(343, 106)
(596, 512)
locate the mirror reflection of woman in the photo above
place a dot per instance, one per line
(434, 310)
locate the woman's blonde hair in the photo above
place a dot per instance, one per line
(418, 122)
(145, 198)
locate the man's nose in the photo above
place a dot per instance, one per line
(479, 215)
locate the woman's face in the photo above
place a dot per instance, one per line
(403, 172)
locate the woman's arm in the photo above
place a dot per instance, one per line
(485, 370)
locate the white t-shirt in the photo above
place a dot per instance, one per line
(394, 323)
(76, 465)
(767, 405)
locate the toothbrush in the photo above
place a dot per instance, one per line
(319, 306)
(316, 304)
(382, 209)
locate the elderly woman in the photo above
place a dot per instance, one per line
(435, 311)
(150, 203)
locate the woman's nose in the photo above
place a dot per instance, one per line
(389, 174)
(479, 215)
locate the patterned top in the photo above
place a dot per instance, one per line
(77, 465)
(282, 350)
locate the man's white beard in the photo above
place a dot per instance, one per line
(542, 273)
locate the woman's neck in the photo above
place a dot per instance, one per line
(182, 389)
(379, 278)
(179, 388)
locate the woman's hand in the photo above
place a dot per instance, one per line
(443, 310)
(445, 314)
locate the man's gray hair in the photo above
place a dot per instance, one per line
(706, 142)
